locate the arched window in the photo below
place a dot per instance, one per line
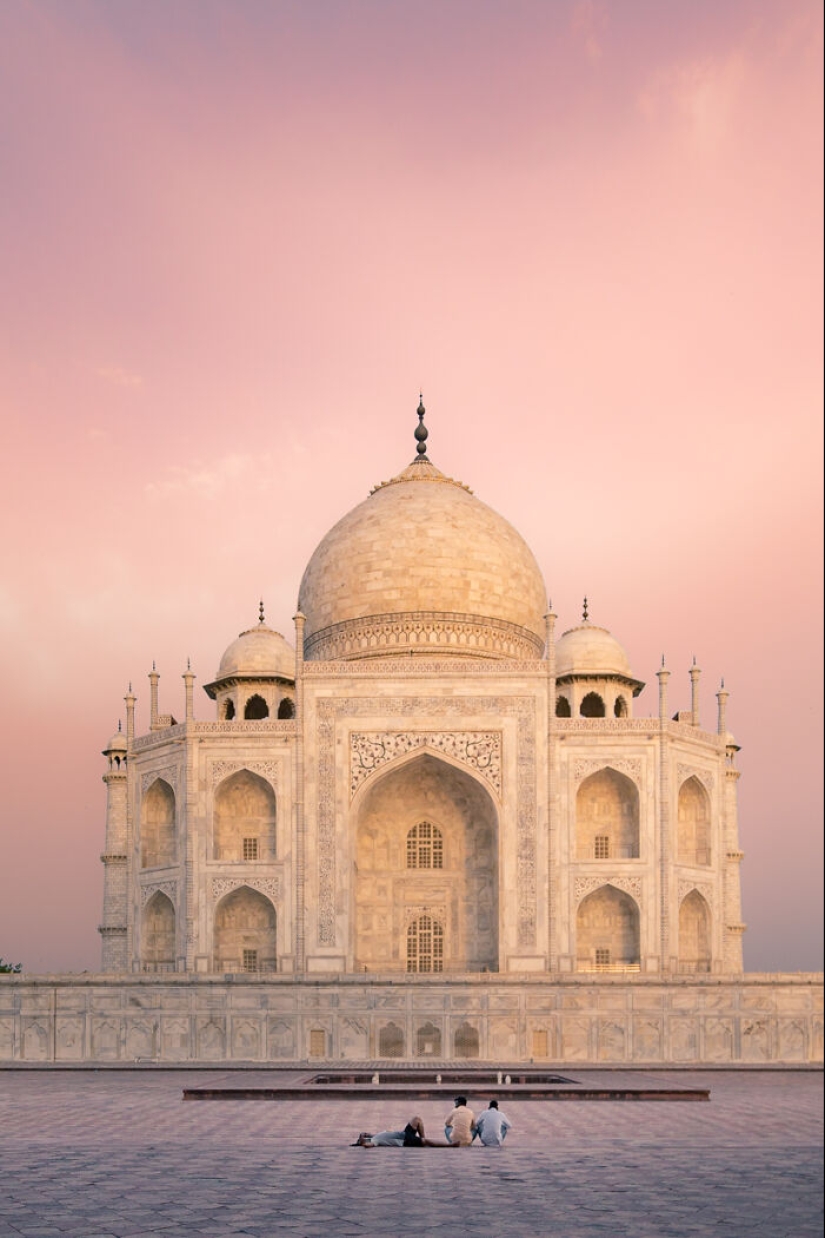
(425, 945)
(562, 707)
(425, 846)
(229, 711)
(255, 708)
(466, 1041)
(286, 709)
(620, 707)
(428, 1041)
(592, 706)
(391, 1041)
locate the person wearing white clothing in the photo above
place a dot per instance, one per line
(492, 1126)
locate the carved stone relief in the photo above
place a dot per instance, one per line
(270, 886)
(481, 750)
(169, 773)
(169, 888)
(703, 888)
(683, 772)
(586, 885)
(264, 769)
(630, 766)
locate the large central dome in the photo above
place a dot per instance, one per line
(422, 567)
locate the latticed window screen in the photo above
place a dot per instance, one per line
(317, 1042)
(250, 848)
(250, 960)
(425, 846)
(425, 945)
(602, 847)
(602, 957)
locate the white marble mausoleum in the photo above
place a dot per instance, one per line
(428, 825)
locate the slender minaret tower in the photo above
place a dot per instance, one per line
(694, 694)
(734, 960)
(113, 928)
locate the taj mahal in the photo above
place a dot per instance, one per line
(428, 825)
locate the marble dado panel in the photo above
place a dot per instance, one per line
(523, 710)
(193, 1020)
(480, 750)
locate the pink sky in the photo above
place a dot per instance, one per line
(235, 240)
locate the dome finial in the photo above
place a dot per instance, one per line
(584, 611)
(261, 611)
(421, 431)
(119, 729)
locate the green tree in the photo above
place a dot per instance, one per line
(10, 967)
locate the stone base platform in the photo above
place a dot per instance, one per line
(544, 1021)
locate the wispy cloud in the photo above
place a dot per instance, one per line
(120, 377)
(588, 23)
(699, 94)
(209, 481)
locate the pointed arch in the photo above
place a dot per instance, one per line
(255, 708)
(157, 826)
(592, 706)
(391, 1041)
(607, 931)
(694, 933)
(694, 819)
(607, 817)
(157, 934)
(244, 819)
(563, 707)
(245, 932)
(459, 898)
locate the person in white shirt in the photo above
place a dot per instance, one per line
(492, 1126)
(460, 1124)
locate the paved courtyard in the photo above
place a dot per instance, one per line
(118, 1153)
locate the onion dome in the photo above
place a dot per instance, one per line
(259, 653)
(591, 652)
(423, 567)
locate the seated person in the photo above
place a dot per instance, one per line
(460, 1124)
(492, 1126)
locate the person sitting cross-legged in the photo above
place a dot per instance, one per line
(492, 1126)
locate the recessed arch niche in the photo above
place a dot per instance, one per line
(460, 893)
(245, 937)
(607, 817)
(157, 934)
(607, 930)
(694, 934)
(244, 809)
(693, 836)
(157, 826)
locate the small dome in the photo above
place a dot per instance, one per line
(258, 653)
(117, 743)
(590, 650)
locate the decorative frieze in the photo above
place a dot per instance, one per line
(169, 774)
(264, 769)
(630, 766)
(586, 885)
(481, 750)
(683, 772)
(701, 887)
(169, 888)
(405, 633)
(270, 886)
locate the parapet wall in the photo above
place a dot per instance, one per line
(616, 1021)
